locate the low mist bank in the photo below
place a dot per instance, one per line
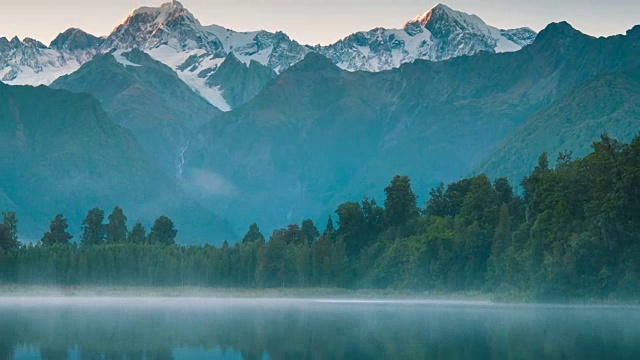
(9, 293)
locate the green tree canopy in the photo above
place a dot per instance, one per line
(352, 228)
(9, 231)
(310, 231)
(253, 235)
(57, 234)
(137, 235)
(117, 227)
(93, 229)
(293, 235)
(401, 203)
(163, 232)
(329, 230)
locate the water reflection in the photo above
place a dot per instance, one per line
(252, 330)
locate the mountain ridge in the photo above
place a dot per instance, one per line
(172, 35)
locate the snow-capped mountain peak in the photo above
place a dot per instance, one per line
(163, 13)
(438, 34)
(169, 24)
(438, 10)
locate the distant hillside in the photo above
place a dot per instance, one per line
(610, 104)
(146, 97)
(59, 152)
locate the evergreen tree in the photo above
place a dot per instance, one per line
(163, 232)
(117, 227)
(5, 239)
(500, 244)
(437, 205)
(253, 235)
(293, 235)
(504, 190)
(10, 219)
(329, 230)
(137, 235)
(93, 229)
(310, 231)
(352, 228)
(373, 217)
(9, 231)
(57, 234)
(400, 204)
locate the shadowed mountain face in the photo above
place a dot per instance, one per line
(60, 153)
(240, 82)
(318, 135)
(146, 97)
(610, 104)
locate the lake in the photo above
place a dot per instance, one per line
(205, 328)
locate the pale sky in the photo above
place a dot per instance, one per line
(313, 22)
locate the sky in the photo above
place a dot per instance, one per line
(314, 22)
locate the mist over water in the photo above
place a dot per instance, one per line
(195, 328)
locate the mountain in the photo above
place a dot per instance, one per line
(60, 153)
(439, 34)
(241, 82)
(317, 135)
(30, 62)
(75, 40)
(173, 36)
(146, 97)
(610, 104)
(170, 34)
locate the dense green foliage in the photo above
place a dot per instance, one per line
(575, 232)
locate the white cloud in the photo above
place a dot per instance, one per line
(206, 183)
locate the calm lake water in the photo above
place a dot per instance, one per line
(191, 328)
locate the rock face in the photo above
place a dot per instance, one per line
(173, 36)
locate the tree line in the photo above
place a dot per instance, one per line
(574, 232)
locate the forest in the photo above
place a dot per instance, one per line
(571, 231)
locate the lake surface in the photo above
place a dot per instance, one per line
(204, 328)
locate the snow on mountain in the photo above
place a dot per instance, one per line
(439, 34)
(118, 55)
(173, 36)
(29, 62)
(191, 75)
